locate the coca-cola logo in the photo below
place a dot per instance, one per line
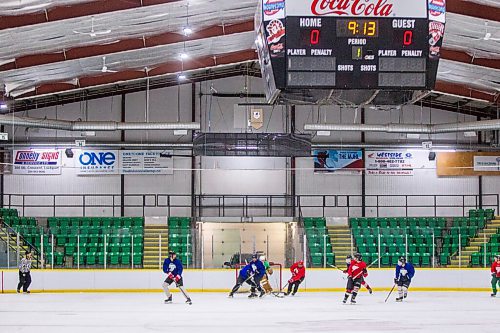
(352, 7)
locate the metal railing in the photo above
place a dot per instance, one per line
(250, 205)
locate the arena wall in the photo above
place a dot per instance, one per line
(219, 280)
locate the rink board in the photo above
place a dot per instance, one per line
(220, 280)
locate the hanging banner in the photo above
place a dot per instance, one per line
(97, 162)
(389, 163)
(36, 162)
(338, 161)
(487, 163)
(468, 164)
(146, 162)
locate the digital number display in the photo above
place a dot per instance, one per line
(311, 79)
(401, 65)
(311, 63)
(357, 52)
(357, 28)
(401, 79)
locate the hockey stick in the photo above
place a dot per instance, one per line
(281, 293)
(394, 286)
(181, 288)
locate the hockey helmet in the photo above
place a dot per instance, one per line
(358, 257)
(171, 253)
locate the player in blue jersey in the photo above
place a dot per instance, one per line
(251, 274)
(404, 273)
(173, 268)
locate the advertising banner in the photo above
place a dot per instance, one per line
(146, 162)
(487, 163)
(365, 8)
(389, 163)
(97, 162)
(338, 161)
(468, 164)
(36, 162)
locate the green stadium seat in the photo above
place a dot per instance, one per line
(137, 222)
(363, 223)
(59, 258)
(137, 258)
(426, 259)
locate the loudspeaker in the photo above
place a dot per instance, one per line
(69, 153)
(432, 156)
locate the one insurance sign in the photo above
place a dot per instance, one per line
(97, 162)
(36, 162)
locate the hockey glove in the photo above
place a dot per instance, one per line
(396, 280)
(177, 278)
(344, 271)
(291, 281)
(170, 276)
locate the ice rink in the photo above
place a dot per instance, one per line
(214, 312)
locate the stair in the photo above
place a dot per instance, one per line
(475, 243)
(152, 234)
(340, 238)
(23, 247)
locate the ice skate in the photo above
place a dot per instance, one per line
(252, 295)
(353, 301)
(493, 295)
(230, 295)
(168, 300)
(262, 294)
(399, 299)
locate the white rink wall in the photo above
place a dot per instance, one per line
(219, 280)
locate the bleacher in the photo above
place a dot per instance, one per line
(317, 237)
(397, 236)
(492, 249)
(89, 240)
(84, 241)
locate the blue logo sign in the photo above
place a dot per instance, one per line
(102, 158)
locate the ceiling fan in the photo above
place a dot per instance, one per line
(104, 68)
(92, 32)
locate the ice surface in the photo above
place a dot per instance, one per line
(214, 312)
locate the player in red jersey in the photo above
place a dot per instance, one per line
(495, 275)
(298, 274)
(348, 260)
(356, 272)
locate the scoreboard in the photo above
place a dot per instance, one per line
(306, 46)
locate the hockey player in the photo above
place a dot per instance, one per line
(495, 275)
(265, 279)
(298, 275)
(357, 270)
(404, 273)
(173, 268)
(363, 282)
(24, 273)
(251, 274)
